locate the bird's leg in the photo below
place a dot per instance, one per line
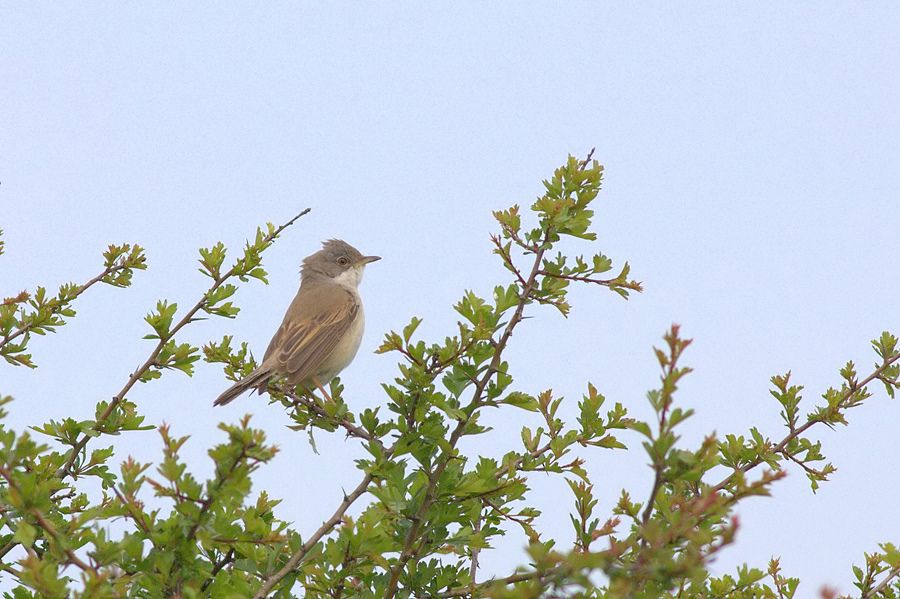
(322, 389)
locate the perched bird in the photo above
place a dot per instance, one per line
(322, 327)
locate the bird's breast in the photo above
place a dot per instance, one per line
(346, 349)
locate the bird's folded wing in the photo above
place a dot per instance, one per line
(311, 330)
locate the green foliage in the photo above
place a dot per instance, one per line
(37, 313)
(425, 513)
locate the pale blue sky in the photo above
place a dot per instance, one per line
(753, 168)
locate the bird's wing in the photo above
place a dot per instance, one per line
(313, 326)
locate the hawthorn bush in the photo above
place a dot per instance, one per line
(425, 512)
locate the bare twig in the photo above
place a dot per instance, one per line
(587, 159)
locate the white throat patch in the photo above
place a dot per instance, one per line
(351, 278)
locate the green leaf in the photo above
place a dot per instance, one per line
(521, 400)
(409, 329)
(25, 534)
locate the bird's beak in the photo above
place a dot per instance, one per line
(369, 259)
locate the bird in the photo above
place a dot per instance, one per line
(322, 328)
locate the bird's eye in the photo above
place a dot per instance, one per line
(343, 261)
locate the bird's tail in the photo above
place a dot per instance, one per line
(258, 378)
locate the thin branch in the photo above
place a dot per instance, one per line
(614, 282)
(345, 563)
(473, 566)
(669, 370)
(120, 264)
(514, 465)
(217, 567)
(587, 159)
(326, 527)
(528, 248)
(352, 429)
(437, 366)
(793, 434)
(499, 511)
(507, 259)
(51, 530)
(778, 587)
(477, 399)
(654, 491)
(172, 493)
(809, 470)
(272, 580)
(894, 573)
